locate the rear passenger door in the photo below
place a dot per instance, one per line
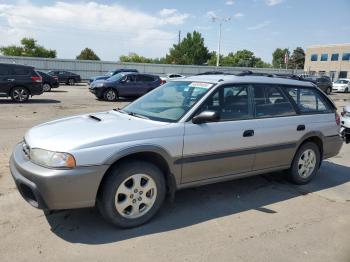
(6, 80)
(278, 128)
(144, 83)
(223, 148)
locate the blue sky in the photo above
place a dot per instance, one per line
(149, 28)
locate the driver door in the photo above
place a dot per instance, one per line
(223, 148)
(127, 86)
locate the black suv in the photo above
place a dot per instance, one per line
(49, 81)
(19, 82)
(66, 77)
(323, 82)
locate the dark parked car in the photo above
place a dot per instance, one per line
(323, 82)
(19, 82)
(124, 85)
(49, 81)
(111, 73)
(66, 77)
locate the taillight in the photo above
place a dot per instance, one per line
(55, 77)
(162, 82)
(337, 118)
(38, 79)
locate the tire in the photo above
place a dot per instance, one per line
(328, 90)
(305, 164)
(20, 94)
(346, 90)
(120, 186)
(71, 81)
(46, 87)
(110, 95)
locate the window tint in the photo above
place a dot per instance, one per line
(335, 57)
(144, 78)
(271, 102)
(324, 57)
(130, 78)
(230, 101)
(314, 57)
(308, 100)
(346, 57)
(4, 70)
(21, 71)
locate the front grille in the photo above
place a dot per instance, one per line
(26, 149)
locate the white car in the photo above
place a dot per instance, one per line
(172, 76)
(341, 85)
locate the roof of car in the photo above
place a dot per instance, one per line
(18, 65)
(244, 79)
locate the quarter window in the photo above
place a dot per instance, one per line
(230, 101)
(308, 100)
(334, 57)
(324, 57)
(314, 57)
(269, 101)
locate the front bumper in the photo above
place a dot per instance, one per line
(98, 92)
(51, 189)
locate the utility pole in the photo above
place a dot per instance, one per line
(179, 37)
(214, 19)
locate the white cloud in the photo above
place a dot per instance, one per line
(259, 26)
(90, 23)
(167, 12)
(238, 15)
(229, 2)
(273, 2)
(212, 14)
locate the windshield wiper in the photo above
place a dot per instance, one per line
(137, 115)
(120, 110)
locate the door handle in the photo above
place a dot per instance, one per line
(300, 127)
(248, 133)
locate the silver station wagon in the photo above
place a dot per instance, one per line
(188, 132)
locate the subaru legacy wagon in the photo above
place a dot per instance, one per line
(188, 132)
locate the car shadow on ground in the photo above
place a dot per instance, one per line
(32, 101)
(197, 205)
(57, 91)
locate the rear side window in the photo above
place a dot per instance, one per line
(144, 78)
(21, 71)
(270, 101)
(309, 100)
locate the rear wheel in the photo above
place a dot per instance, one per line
(110, 95)
(71, 81)
(305, 163)
(20, 94)
(46, 87)
(346, 90)
(132, 194)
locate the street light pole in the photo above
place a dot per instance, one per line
(215, 18)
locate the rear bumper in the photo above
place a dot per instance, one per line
(332, 146)
(36, 89)
(46, 188)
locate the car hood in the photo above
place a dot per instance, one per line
(88, 130)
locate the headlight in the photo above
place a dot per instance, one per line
(98, 85)
(51, 159)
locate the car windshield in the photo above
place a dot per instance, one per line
(169, 102)
(341, 81)
(116, 77)
(110, 73)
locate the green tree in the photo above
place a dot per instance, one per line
(134, 58)
(87, 54)
(213, 57)
(28, 47)
(190, 51)
(278, 57)
(242, 58)
(297, 58)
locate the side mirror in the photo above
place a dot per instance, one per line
(206, 117)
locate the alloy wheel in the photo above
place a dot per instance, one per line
(306, 163)
(135, 196)
(46, 87)
(20, 94)
(110, 95)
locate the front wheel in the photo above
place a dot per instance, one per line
(110, 95)
(132, 194)
(305, 163)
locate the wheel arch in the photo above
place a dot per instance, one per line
(28, 89)
(152, 154)
(315, 137)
